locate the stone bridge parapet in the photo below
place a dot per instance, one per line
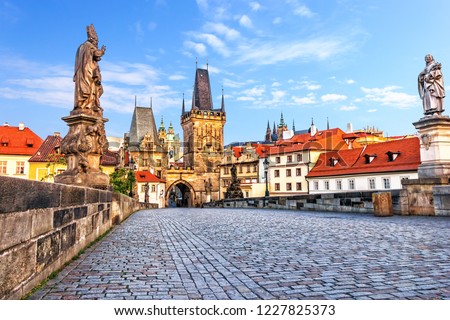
(44, 225)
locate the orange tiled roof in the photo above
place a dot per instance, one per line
(353, 161)
(147, 176)
(14, 141)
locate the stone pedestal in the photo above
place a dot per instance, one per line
(83, 146)
(382, 204)
(434, 134)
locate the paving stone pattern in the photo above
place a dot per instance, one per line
(261, 254)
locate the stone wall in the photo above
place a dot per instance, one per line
(44, 225)
(359, 202)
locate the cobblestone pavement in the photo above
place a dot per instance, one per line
(260, 254)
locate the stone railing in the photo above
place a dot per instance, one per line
(358, 202)
(44, 225)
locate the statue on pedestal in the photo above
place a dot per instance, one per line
(234, 190)
(86, 140)
(431, 87)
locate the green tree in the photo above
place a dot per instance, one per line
(121, 179)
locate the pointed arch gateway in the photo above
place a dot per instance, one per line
(180, 194)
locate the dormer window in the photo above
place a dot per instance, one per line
(392, 155)
(30, 143)
(333, 161)
(369, 157)
(5, 142)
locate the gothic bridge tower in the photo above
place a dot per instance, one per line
(203, 146)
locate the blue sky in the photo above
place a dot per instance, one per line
(348, 60)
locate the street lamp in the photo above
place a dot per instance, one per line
(130, 176)
(266, 168)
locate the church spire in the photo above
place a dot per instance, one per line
(328, 124)
(293, 126)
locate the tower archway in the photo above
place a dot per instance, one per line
(180, 194)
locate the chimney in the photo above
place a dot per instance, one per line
(6, 124)
(349, 127)
(56, 134)
(21, 126)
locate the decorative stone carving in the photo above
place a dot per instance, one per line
(426, 140)
(86, 140)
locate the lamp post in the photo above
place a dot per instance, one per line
(130, 176)
(266, 168)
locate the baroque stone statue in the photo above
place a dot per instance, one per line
(431, 87)
(86, 140)
(87, 77)
(234, 190)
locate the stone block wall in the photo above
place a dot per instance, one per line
(43, 225)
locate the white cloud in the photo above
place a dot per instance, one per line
(276, 84)
(255, 6)
(350, 81)
(300, 9)
(245, 98)
(214, 42)
(390, 96)
(308, 85)
(372, 110)
(176, 77)
(222, 29)
(276, 52)
(332, 97)
(203, 5)
(277, 20)
(309, 99)
(199, 48)
(256, 91)
(245, 21)
(277, 95)
(348, 108)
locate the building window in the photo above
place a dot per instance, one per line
(289, 159)
(288, 172)
(372, 183)
(246, 194)
(316, 185)
(277, 187)
(240, 169)
(277, 173)
(298, 172)
(3, 167)
(226, 170)
(288, 186)
(299, 157)
(255, 168)
(327, 185)
(387, 183)
(351, 184)
(158, 173)
(339, 184)
(158, 163)
(153, 188)
(277, 159)
(248, 168)
(20, 167)
(298, 186)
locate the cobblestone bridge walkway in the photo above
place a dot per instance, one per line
(260, 254)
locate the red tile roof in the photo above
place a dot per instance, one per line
(353, 161)
(147, 176)
(48, 151)
(14, 141)
(260, 149)
(332, 139)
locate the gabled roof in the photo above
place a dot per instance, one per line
(18, 141)
(353, 161)
(147, 176)
(142, 123)
(49, 150)
(331, 139)
(202, 97)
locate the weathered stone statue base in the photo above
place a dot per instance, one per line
(434, 133)
(83, 146)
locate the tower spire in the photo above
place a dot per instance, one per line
(135, 101)
(293, 126)
(328, 124)
(182, 108)
(223, 102)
